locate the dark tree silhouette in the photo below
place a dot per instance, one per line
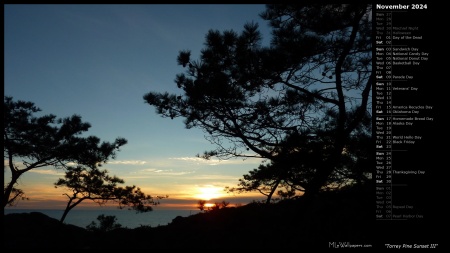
(48, 141)
(312, 84)
(106, 223)
(290, 176)
(266, 180)
(96, 185)
(201, 205)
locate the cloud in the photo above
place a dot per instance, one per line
(197, 160)
(21, 166)
(214, 177)
(163, 172)
(213, 162)
(128, 162)
(48, 172)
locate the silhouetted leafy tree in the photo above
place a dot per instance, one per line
(46, 141)
(96, 185)
(291, 175)
(224, 204)
(216, 206)
(219, 205)
(16, 195)
(312, 84)
(106, 223)
(201, 205)
(265, 180)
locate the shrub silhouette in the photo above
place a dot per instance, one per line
(106, 223)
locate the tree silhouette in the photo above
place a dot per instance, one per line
(201, 204)
(96, 185)
(106, 223)
(265, 180)
(312, 84)
(291, 176)
(48, 141)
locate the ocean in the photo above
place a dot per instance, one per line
(127, 218)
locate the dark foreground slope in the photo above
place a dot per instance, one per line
(331, 217)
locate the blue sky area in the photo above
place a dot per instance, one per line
(97, 61)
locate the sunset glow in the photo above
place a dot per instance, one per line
(209, 192)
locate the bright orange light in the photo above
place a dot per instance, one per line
(209, 205)
(208, 192)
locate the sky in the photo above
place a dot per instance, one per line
(98, 61)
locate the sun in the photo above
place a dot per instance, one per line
(208, 192)
(209, 205)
